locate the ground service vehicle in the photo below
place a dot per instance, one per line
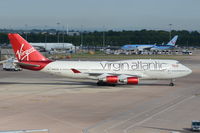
(195, 125)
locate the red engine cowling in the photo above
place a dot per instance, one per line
(111, 79)
(131, 80)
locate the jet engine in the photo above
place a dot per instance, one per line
(111, 79)
(131, 80)
(116, 79)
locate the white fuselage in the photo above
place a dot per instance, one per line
(141, 68)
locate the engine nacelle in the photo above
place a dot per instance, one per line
(111, 79)
(131, 80)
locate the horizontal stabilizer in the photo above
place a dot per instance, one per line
(25, 64)
(1, 62)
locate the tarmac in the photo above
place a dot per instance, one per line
(36, 100)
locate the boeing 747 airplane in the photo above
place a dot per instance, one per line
(52, 46)
(104, 72)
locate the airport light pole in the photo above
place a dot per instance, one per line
(46, 37)
(45, 40)
(67, 29)
(63, 34)
(46, 34)
(81, 38)
(103, 39)
(0, 53)
(58, 23)
(170, 30)
(26, 31)
(81, 33)
(103, 36)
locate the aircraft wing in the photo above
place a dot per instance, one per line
(137, 47)
(102, 75)
(141, 48)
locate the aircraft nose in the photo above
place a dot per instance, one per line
(188, 71)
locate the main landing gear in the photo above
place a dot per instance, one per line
(172, 82)
(100, 83)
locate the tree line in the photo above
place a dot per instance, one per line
(112, 38)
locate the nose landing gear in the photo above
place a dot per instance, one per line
(172, 82)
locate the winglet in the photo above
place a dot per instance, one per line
(75, 70)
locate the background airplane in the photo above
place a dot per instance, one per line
(114, 72)
(141, 47)
(53, 46)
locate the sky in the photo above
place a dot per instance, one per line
(101, 14)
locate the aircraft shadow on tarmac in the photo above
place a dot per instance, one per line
(152, 84)
(78, 83)
(185, 130)
(52, 83)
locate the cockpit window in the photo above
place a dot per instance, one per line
(177, 62)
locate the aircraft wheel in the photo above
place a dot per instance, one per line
(99, 84)
(113, 85)
(171, 84)
(105, 84)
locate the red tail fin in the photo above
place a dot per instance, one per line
(23, 50)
